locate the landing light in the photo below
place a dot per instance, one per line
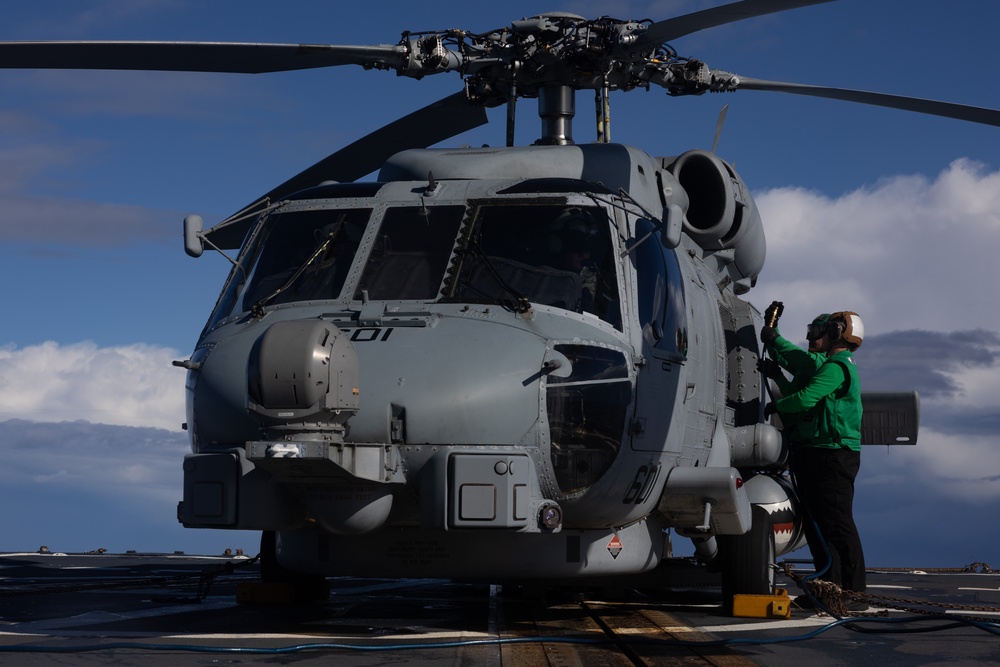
(550, 516)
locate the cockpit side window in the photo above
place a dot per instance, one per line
(411, 253)
(551, 254)
(661, 294)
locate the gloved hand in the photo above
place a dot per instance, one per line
(768, 335)
(770, 409)
(770, 311)
(769, 368)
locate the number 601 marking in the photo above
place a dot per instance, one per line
(645, 479)
(367, 334)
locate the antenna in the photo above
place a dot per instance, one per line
(718, 127)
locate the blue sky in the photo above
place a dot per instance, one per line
(892, 214)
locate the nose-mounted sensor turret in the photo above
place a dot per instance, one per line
(303, 380)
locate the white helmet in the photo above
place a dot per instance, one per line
(847, 325)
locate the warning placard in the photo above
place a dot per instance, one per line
(614, 546)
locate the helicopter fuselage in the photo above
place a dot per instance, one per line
(515, 362)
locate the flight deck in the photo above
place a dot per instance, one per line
(159, 609)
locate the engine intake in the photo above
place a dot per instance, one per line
(722, 215)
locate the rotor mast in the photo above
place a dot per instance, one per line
(556, 108)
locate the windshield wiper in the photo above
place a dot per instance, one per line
(520, 304)
(325, 243)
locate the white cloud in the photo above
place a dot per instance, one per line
(133, 385)
(76, 222)
(906, 253)
(80, 486)
(980, 387)
(961, 467)
(914, 256)
(956, 456)
(141, 462)
(32, 152)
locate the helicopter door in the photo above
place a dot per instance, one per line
(662, 316)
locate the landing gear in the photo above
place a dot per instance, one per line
(307, 588)
(748, 560)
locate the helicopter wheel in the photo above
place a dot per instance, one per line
(748, 560)
(307, 588)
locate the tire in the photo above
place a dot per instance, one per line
(748, 560)
(308, 588)
(270, 571)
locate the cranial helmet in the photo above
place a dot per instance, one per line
(847, 325)
(574, 228)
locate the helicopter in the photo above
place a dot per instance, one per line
(410, 377)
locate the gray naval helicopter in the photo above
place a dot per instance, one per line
(512, 363)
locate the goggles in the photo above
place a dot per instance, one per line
(817, 329)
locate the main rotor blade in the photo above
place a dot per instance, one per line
(664, 31)
(947, 109)
(245, 58)
(425, 127)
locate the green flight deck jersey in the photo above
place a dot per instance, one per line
(835, 391)
(802, 364)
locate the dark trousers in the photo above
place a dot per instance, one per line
(825, 482)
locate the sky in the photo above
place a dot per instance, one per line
(890, 214)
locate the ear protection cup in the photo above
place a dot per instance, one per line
(834, 330)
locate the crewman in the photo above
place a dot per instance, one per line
(821, 410)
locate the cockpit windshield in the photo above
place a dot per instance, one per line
(555, 255)
(510, 253)
(410, 253)
(304, 256)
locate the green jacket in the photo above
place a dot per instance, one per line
(802, 364)
(836, 391)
